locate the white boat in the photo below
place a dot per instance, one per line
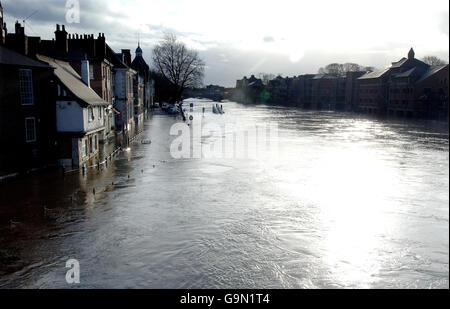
(165, 106)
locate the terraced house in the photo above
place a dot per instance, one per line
(80, 114)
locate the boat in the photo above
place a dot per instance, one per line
(165, 106)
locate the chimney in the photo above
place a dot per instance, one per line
(100, 47)
(62, 44)
(19, 41)
(126, 54)
(85, 74)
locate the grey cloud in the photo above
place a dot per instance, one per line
(225, 63)
(444, 23)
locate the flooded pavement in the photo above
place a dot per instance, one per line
(348, 202)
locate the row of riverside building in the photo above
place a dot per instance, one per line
(407, 88)
(69, 101)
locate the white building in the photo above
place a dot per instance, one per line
(80, 114)
(124, 100)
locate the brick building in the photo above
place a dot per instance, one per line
(408, 87)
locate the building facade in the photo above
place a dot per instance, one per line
(406, 88)
(142, 88)
(80, 114)
(26, 117)
(124, 96)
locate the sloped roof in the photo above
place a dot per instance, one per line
(408, 73)
(72, 81)
(431, 71)
(140, 65)
(376, 74)
(399, 63)
(11, 57)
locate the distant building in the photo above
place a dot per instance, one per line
(431, 94)
(400, 90)
(328, 92)
(249, 90)
(26, 112)
(305, 87)
(123, 79)
(277, 90)
(142, 88)
(80, 113)
(352, 90)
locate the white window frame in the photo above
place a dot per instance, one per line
(34, 130)
(95, 142)
(26, 87)
(84, 148)
(91, 115)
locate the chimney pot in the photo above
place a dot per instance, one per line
(57, 27)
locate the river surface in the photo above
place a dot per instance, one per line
(344, 202)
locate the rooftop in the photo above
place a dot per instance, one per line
(10, 57)
(72, 81)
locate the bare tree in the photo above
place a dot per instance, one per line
(266, 78)
(337, 69)
(433, 61)
(351, 67)
(182, 67)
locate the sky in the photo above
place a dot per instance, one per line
(239, 38)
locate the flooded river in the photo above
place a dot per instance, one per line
(348, 202)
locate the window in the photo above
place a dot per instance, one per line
(85, 148)
(59, 90)
(91, 71)
(91, 149)
(30, 130)
(100, 113)
(26, 87)
(95, 142)
(91, 114)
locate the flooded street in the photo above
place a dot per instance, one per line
(349, 202)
